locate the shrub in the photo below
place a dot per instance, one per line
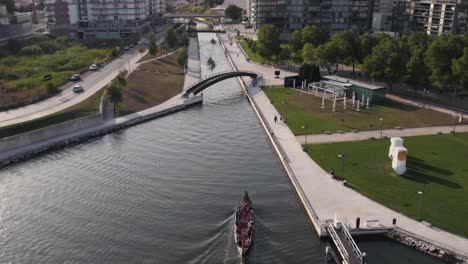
(181, 56)
(31, 50)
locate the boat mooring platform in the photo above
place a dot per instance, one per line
(344, 242)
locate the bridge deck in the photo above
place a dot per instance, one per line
(352, 257)
(345, 244)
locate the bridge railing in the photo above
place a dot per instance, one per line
(219, 74)
(350, 239)
(338, 243)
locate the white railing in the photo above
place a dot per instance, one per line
(338, 243)
(350, 239)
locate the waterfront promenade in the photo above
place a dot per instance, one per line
(328, 197)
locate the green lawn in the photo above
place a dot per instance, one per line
(436, 164)
(304, 110)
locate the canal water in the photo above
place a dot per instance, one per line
(160, 192)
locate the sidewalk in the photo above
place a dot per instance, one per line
(364, 135)
(328, 197)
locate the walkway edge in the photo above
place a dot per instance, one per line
(313, 217)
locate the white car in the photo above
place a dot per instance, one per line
(77, 89)
(93, 67)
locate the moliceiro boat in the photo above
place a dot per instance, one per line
(244, 225)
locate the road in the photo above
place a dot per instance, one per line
(92, 82)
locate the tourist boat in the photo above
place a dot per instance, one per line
(211, 63)
(213, 41)
(244, 225)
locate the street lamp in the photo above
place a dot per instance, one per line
(341, 156)
(381, 127)
(455, 123)
(421, 194)
(303, 127)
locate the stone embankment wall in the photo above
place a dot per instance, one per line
(427, 247)
(47, 133)
(24, 146)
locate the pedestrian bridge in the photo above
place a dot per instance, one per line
(193, 15)
(215, 78)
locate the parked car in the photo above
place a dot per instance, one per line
(93, 67)
(131, 45)
(75, 77)
(126, 48)
(77, 89)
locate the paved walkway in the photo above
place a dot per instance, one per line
(193, 73)
(364, 135)
(329, 197)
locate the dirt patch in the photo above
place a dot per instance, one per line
(151, 84)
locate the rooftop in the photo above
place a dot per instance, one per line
(354, 82)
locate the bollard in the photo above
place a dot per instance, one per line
(358, 222)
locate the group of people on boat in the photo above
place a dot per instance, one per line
(211, 63)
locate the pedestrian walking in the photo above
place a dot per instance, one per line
(276, 119)
(281, 119)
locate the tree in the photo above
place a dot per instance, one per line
(349, 47)
(268, 43)
(184, 39)
(327, 56)
(152, 47)
(233, 12)
(308, 53)
(460, 70)
(285, 53)
(169, 8)
(416, 69)
(309, 72)
(170, 38)
(116, 86)
(387, 61)
(313, 35)
(439, 58)
(296, 41)
(181, 56)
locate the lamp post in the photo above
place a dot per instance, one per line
(303, 127)
(381, 127)
(421, 194)
(341, 156)
(455, 123)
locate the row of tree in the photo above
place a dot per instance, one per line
(416, 59)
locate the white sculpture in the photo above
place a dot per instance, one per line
(398, 154)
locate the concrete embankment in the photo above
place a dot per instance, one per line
(19, 147)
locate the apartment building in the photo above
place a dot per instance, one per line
(155, 10)
(332, 16)
(382, 12)
(106, 19)
(435, 17)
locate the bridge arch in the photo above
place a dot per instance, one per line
(215, 78)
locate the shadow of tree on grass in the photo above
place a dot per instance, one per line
(419, 171)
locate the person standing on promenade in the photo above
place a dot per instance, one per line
(276, 119)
